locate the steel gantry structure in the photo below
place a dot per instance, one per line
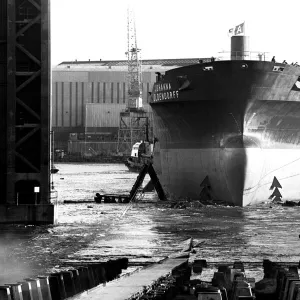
(134, 119)
(25, 111)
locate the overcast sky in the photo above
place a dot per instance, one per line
(97, 29)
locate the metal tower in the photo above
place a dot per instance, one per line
(134, 119)
(134, 65)
(25, 112)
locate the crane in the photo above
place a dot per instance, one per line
(134, 119)
(134, 78)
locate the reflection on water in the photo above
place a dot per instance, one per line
(145, 233)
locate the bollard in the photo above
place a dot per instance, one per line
(289, 282)
(54, 288)
(297, 293)
(239, 276)
(123, 262)
(283, 285)
(267, 263)
(201, 262)
(102, 273)
(84, 278)
(116, 264)
(110, 270)
(270, 269)
(238, 265)
(234, 273)
(209, 293)
(99, 273)
(35, 288)
(182, 274)
(288, 279)
(197, 268)
(95, 268)
(5, 293)
(294, 270)
(118, 267)
(219, 280)
(293, 288)
(280, 282)
(179, 281)
(45, 287)
(241, 288)
(224, 269)
(76, 279)
(91, 276)
(224, 293)
(15, 291)
(68, 283)
(181, 267)
(61, 285)
(26, 290)
(265, 289)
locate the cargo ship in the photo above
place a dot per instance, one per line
(232, 126)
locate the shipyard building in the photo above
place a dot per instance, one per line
(88, 96)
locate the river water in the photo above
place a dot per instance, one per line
(144, 232)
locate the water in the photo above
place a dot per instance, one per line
(143, 232)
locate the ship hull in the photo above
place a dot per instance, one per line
(236, 176)
(237, 139)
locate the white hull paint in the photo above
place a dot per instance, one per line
(238, 176)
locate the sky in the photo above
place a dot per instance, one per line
(97, 29)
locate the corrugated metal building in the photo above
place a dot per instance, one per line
(87, 96)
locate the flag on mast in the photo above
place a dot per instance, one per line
(239, 29)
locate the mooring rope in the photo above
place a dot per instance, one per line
(130, 204)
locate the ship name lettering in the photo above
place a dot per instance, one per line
(158, 96)
(162, 87)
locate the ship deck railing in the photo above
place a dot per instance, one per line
(244, 55)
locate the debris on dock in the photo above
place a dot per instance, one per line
(111, 198)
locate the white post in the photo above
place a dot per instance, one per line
(36, 191)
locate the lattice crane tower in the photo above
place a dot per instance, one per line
(134, 64)
(134, 119)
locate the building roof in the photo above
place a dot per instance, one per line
(120, 63)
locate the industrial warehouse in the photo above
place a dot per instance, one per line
(89, 96)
